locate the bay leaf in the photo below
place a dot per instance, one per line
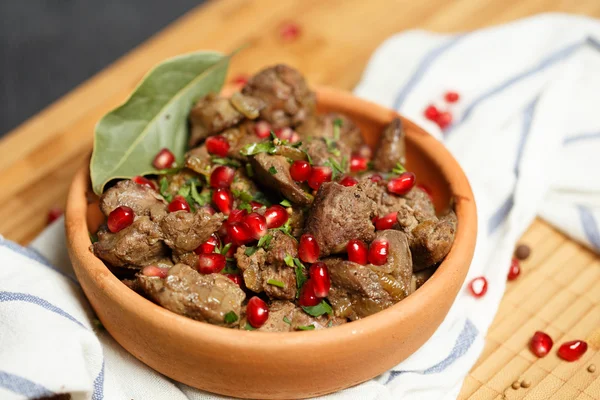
(154, 117)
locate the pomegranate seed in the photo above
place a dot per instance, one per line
(257, 312)
(209, 246)
(262, 129)
(240, 79)
(289, 31)
(284, 133)
(221, 177)
(236, 278)
(239, 232)
(211, 263)
(478, 286)
(227, 240)
(120, 218)
(223, 199)
(308, 248)
(378, 252)
(515, 269)
(402, 184)
(257, 225)
(295, 138)
(237, 215)
(451, 97)
(54, 213)
(217, 145)
(357, 251)
(255, 205)
(431, 112)
(153, 270)
(179, 203)
(140, 180)
(573, 350)
(164, 159)
(319, 276)
(358, 163)
(376, 178)
(208, 209)
(444, 120)
(348, 181)
(307, 297)
(386, 222)
(540, 344)
(426, 190)
(364, 151)
(300, 170)
(276, 216)
(318, 176)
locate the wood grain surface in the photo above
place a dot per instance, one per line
(560, 287)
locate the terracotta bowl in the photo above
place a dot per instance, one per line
(296, 364)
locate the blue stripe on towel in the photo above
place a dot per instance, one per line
(581, 137)
(99, 385)
(500, 214)
(590, 225)
(423, 66)
(463, 343)
(23, 386)
(28, 298)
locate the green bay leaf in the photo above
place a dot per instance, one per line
(154, 117)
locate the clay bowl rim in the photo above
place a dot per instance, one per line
(455, 265)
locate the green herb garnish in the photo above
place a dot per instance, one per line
(164, 189)
(336, 168)
(230, 317)
(399, 169)
(225, 249)
(316, 311)
(249, 170)
(297, 144)
(332, 146)
(249, 327)
(337, 124)
(275, 282)
(300, 270)
(242, 195)
(286, 203)
(287, 320)
(272, 170)
(250, 250)
(265, 241)
(200, 199)
(289, 260)
(226, 161)
(330, 324)
(306, 328)
(260, 147)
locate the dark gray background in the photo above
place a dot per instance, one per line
(49, 47)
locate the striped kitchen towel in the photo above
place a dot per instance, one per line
(526, 133)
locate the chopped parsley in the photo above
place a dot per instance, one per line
(250, 250)
(242, 195)
(164, 189)
(226, 161)
(316, 311)
(297, 144)
(336, 168)
(230, 268)
(286, 228)
(225, 249)
(265, 241)
(306, 328)
(300, 270)
(332, 146)
(275, 282)
(287, 320)
(93, 237)
(184, 191)
(200, 199)
(308, 157)
(286, 203)
(337, 124)
(289, 260)
(330, 323)
(272, 170)
(398, 169)
(249, 170)
(249, 327)
(261, 147)
(230, 317)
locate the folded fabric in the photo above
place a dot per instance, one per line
(526, 133)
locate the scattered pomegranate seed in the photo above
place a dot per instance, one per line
(376, 178)
(300, 170)
(239, 232)
(211, 263)
(153, 270)
(257, 225)
(240, 79)
(53, 214)
(289, 31)
(257, 312)
(444, 120)
(386, 222)
(478, 286)
(207, 208)
(237, 215)
(364, 151)
(120, 218)
(140, 180)
(431, 112)
(217, 145)
(307, 297)
(318, 176)
(223, 199)
(573, 350)
(276, 216)
(402, 184)
(285, 133)
(255, 205)
(236, 278)
(319, 276)
(426, 190)
(358, 163)
(357, 251)
(308, 248)
(540, 344)
(348, 181)
(209, 246)
(451, 97)
(164, 159)
(378, 252)
(262, 129)
(515, 269)
(179, 203)
(222, 176)
(295, 138)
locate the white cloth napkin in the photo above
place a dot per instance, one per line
(527, 133)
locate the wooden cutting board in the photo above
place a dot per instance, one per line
(559, 290)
